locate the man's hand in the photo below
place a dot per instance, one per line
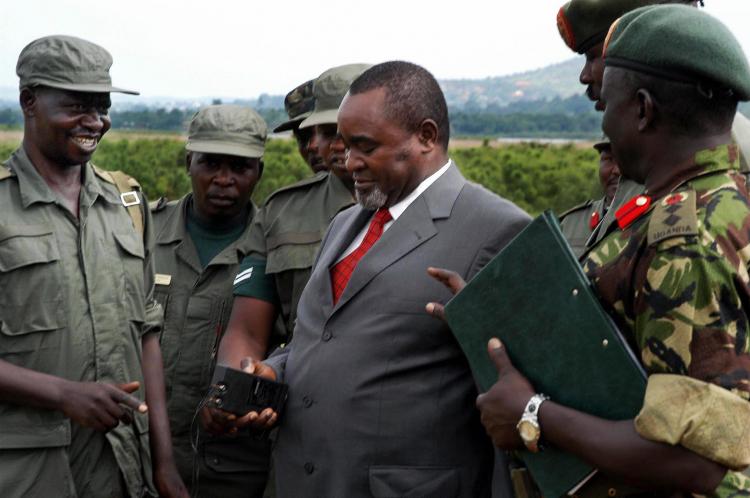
(168, 481)
(218, 422)
(502, 406)
(450, 279)
(267, 418)
(100, 406)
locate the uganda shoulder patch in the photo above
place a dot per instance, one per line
(674, 216)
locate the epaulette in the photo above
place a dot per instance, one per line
(158, 205)
(126, 185)
(5, 172)
(673, 216)
(578, 207)
(305, 182)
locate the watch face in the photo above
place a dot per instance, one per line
(528, 431)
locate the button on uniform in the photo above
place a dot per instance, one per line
(307, 401)
(309, 467)
(327, 336)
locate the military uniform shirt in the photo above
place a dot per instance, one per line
(74, 305)
(197, 302)
(286, 236)
(676, 280)
(576, 224)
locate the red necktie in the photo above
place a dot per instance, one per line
(342, 271)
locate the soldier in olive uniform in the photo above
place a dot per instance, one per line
(673, 274)
(583, 25)
(287, 232)
(299, 104)
(578, 223)
(78, 323)
(200, 241)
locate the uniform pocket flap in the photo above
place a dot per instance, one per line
(291, 257)
(26, 245)
(131, 243)
(406, 481)
(293, 238)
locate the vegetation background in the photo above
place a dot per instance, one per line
(535, 176)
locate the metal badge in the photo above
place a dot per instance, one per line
(130, 198)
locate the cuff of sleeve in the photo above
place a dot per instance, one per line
(700, 416)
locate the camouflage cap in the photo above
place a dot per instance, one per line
(329, 90)
(679, 43)
(584, 23)
(227, 129)
(67, 63)
(298, 104)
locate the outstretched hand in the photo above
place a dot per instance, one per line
(502, 406)
(452, 281)
(98, 405)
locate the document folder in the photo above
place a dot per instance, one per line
(536, 299)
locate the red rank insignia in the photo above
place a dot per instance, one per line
(632, 210)
(594, 220)
(675, 198)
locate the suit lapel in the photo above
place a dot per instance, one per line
(412, 229)
(338, 244)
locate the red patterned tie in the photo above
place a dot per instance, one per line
(342, 271)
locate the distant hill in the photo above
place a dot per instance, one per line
(557, 80)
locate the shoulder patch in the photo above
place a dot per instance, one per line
(578, 207)
(675, 215)
(305, 182)
(5, 172)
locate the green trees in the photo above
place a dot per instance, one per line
(534, 176)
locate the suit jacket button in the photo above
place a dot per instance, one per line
(307, 401)
(327, 336)
(309, 467)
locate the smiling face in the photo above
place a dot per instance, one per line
(67, 126)
(382, 156)
(222, 184)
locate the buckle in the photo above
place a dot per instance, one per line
(130, 198)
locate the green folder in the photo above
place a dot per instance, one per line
(535, 297)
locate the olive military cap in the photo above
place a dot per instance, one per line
(584, 23)
(679, 43)
(227, 129)
(329, 90)
(67, 63)
(298, 104)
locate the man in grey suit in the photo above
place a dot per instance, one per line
(381, 398)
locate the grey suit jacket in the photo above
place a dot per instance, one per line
(381, 398)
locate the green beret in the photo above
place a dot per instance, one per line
(227, 129)
(584, 23)
(679, 43)
(67, 63)
(329, 90)
(298, 104)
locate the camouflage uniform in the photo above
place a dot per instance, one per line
(676, 279)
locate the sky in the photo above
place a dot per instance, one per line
(241, 48)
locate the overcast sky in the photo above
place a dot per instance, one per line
(243, 48)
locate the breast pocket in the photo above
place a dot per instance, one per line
(31, 300)
(131, 256)
(292, 251)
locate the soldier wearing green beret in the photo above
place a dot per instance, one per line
(583, 25)
(673, 274)
(285, 237)
(200, 241)
(299, 104)
(79, 327)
